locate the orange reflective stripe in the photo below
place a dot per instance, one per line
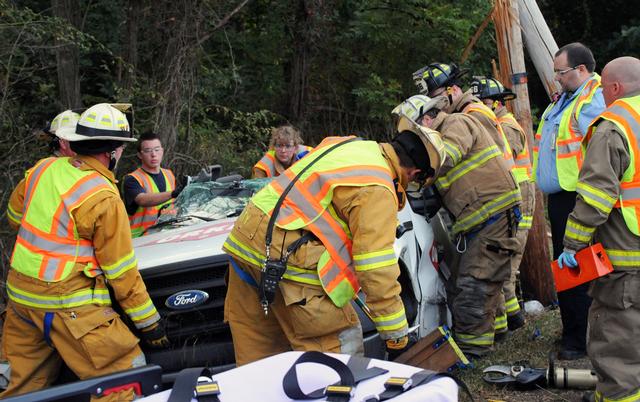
(268, 164)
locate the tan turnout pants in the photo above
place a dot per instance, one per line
(302, 317)
(91, 340)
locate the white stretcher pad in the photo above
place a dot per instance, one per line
(261, 381)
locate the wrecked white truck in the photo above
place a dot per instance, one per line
(183, 266)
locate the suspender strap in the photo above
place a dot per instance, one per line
(243, 274)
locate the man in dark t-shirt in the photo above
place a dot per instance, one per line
(150, 189)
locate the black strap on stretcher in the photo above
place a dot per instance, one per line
(187, 386)
(350, 374)
(395, 386)
(274, 269)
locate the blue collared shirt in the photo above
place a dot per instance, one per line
(547, 171)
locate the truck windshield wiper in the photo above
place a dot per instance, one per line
(179, 219)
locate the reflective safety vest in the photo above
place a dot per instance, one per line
(308, 205)
(268, 161)
(625, 114)
(144, 217)
(48, 246)
(568, 138)
(522, 168)
(507, 154)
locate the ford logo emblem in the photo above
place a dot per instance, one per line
(186, 299)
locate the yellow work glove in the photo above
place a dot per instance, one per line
(155, 336)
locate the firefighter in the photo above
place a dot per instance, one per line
(329, 237)
(285, 148)
(150, 190)
(556, 163)
(606, 211)
(439, 79)
(480, 193)
(494, 95)
(73, 238)
(61, 126)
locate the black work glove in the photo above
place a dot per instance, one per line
(154, 336)
(176, 192)
(396, 347)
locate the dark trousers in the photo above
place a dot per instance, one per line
(574, 303)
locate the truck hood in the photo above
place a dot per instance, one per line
(182, 244)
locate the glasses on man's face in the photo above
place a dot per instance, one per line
(284, 146)
(150, 150)
(563, 72)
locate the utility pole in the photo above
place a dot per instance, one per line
(535, 271)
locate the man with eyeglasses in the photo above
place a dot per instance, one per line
(285, 148)
(150, 189)
(556, 163)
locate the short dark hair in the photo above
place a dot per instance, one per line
(405, 159)
(146, 136)
(94, 147)
(577, 54)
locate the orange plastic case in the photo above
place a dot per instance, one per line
(592, 263)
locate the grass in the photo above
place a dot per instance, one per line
(524, 344)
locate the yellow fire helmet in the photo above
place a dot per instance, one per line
(103, 121)
(408, 112)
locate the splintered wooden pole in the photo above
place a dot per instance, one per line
(535, 273)
(541, 45)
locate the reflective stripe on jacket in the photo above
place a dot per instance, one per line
(568, 138)
(47, 246)
(476, 108)
(308, 206)
(145, 217)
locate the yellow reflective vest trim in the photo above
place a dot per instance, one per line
(623, 258)
(121, 266)
(268, 162)
(522, 163)
(48, 246)
(595, 197)
(443, 183)
(625, 114)
(376, 259)
(486, 211)
(14, 216)
(307, 205)
(143, 315)
(391, 322)
(568, 139)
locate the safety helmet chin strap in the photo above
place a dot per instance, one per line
(495, 104)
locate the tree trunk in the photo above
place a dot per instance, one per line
(299, 65)
(535, 273)
(67, 55)
(127, 68)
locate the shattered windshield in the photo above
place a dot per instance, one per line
(208, 201)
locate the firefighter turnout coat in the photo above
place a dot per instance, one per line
(349, 202)
(73, 238)
(606, 211)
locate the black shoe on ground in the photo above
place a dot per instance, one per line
(500, 337)
(569, 354)
(515, 321)
(589, 396)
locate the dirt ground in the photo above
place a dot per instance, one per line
(533, 342)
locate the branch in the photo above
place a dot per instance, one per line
(222, 22)
(476, 36)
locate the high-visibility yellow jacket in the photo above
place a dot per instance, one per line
(74, 234)
(608, 187)
(144, 217)
(347, 199)
(270, 166)
(568, 138)
(475, 182)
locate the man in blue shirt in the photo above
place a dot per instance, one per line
(557, 161)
